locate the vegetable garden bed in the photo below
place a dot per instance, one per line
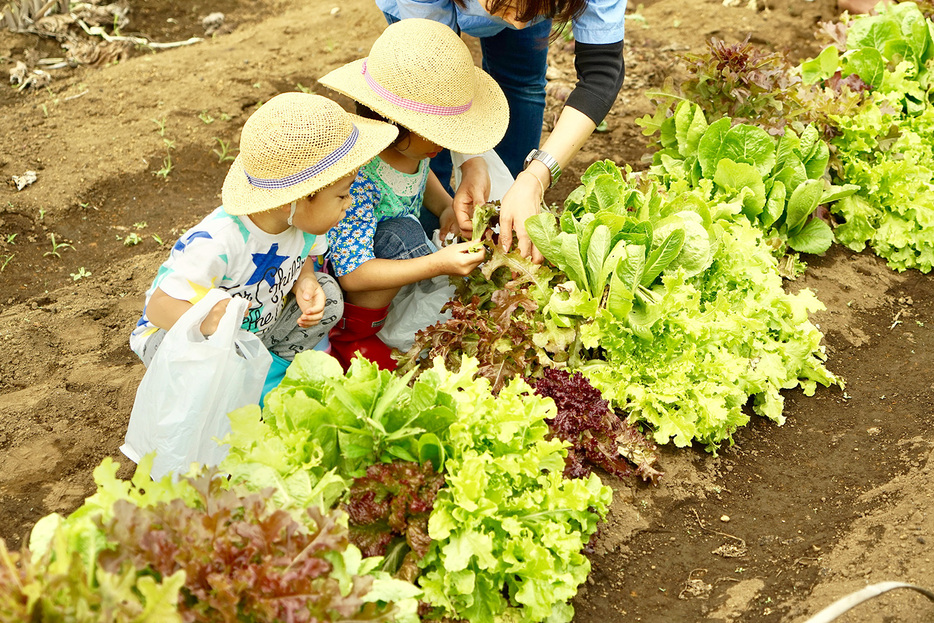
(644, 312)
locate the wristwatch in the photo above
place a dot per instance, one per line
(548, 160)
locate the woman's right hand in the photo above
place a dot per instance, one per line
(458, 259)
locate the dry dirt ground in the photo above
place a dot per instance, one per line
(838, 497)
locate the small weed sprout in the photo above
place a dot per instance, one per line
(132, 239)
(10, 238)
(206, 117)
(6, 260)
(301, 88)
(57, 247)
(223, 154)
(81, 274)
(166, 167)
(157, 239)
(41, 213)
(141, 225)
(169, 143)
(161, 125)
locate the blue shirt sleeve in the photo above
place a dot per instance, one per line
(443, 11)
(351, 240)
(603, 21)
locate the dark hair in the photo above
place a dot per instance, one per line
(369, 113)
(561, 11)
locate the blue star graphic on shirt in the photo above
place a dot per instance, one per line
(267, 265)
(187, 240)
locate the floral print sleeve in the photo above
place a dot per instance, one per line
(351, 240)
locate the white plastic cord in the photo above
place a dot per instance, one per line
(292, 213)
(852, 600)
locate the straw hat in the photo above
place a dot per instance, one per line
(295, 145)
(420, 75)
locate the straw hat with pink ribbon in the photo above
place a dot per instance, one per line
(420, 75)
(295, 145)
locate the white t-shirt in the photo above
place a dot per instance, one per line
(233, 254)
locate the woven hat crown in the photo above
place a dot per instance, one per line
(404, 61)
(290, 133)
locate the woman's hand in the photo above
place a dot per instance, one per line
(522, 200)
(458, 259)
(473, 191)
(310, 298)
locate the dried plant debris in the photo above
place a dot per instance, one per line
(23, 78)
(22, 15)
(24, 180)
(97, 53)
(88, 32)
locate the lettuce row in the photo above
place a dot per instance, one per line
(508, 531)
(886, 146)
(110, 559)
(731, 334)
(680, 350)
(776, 183)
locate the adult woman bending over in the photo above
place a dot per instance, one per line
(514, 36)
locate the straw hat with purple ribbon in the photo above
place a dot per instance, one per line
(295, 145)
(420, 75)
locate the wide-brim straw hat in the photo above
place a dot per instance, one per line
(295, 145)
(420, 75)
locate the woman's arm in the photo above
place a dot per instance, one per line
(524, 197)
(600, 71)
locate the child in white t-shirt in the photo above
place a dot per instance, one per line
(290, 183)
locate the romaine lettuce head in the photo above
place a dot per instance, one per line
(696, 253)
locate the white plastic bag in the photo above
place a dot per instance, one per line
(191, 385)
(500, 177)
(415, 307)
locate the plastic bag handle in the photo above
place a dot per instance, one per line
(189, 324)
(231, 321)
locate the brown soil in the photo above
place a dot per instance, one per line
(838, 497)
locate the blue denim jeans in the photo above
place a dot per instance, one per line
(400, 238)
(517, 60)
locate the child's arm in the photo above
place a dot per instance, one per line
(378, 274)
(439, 202)
(309, 295)
(164, 311)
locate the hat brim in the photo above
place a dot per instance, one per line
(475, 131)
(239, 197)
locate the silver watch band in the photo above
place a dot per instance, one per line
(548, 160)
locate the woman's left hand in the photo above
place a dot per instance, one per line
(473, 191)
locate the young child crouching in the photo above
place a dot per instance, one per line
(290, 183)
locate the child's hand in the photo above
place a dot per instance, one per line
(311, 299)
(459, 259)
(448, 224)
(210, 322)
